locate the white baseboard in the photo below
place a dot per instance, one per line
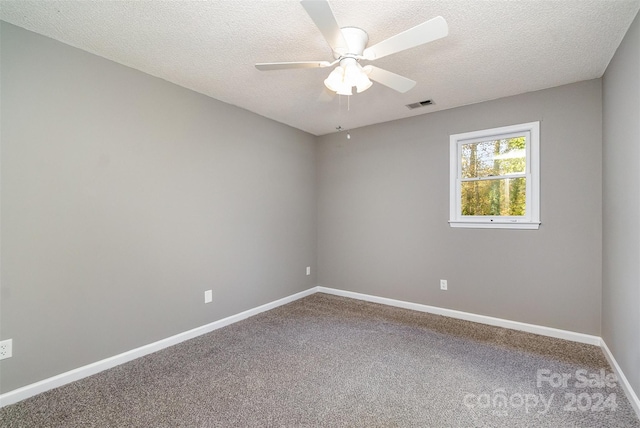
(628, 390)
(93, 368)
(482, 319)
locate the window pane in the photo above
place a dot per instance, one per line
(503, 197)
(493, 158)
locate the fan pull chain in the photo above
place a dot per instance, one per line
(340, 103)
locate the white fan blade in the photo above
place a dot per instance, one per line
(389, 79)
(266, 66)
(426, 32)
(321, 14)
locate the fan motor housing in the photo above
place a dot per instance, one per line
(356, 39)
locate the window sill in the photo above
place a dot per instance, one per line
(496, 224)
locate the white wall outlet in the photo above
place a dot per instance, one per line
(208, 296)
(308, 270)
(6, 349)
(443, 284)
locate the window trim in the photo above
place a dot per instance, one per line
(532, 173)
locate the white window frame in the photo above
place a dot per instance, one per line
(531, 220)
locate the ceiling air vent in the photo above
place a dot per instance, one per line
(420, 104)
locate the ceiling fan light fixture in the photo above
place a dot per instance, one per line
(362, 82)
(335, 80)
(347, 75)
(345, 89)
(354, 75)
(362, 88)
(351, 69)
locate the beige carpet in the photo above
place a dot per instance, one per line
(331, 361)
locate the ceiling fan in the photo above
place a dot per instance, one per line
(349, 46)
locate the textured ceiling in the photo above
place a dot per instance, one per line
(494, 49)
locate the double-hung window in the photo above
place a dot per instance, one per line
(495, 178)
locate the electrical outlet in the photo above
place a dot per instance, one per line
(443, 284)
(6, 349)
(208, 296)
(308, 270)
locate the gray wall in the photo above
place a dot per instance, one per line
(621, 200)
(383, 199)
(125, 197)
